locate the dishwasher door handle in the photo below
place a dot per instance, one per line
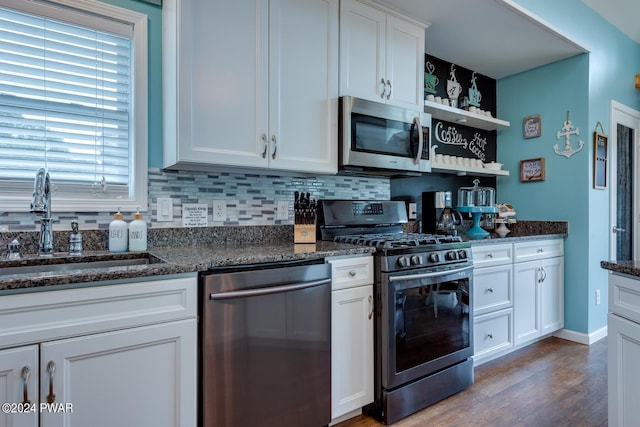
(269, 290)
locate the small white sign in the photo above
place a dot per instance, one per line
(195, 215)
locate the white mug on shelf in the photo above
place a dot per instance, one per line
(438, 99)
(431, 98)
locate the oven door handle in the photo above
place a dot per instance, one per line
(427, 275)
(269, 290)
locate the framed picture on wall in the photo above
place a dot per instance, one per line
(600, 161)
(532, 126)
(532, 170)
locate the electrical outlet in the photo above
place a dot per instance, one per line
(597, 296)
(219, 210)
(413, 214)
(282, 210)
(164, 209)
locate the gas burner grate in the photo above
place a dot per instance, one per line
(395, 240)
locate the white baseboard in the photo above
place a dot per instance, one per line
(346, 416)
(582, 338)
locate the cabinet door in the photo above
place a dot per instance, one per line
(362, 50)
(303, 85)
(352, 349)
(526, 320)
(552, 295)
(143, 376)
(623, 371)
(405, 64)
(14, 366)
(215, 66)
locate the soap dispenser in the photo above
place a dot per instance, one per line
(138, 233)
(75, 240)
(118, 233)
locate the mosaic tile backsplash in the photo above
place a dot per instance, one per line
(250, 199)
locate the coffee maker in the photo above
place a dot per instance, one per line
(438, 215)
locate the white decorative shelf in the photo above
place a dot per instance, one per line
(466, 170)
(463, 117)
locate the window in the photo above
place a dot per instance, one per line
(73, 99)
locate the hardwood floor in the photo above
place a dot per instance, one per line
(550, 383)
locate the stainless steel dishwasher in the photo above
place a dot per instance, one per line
(265, 335)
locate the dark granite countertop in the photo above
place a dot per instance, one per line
(514, 238)
(192, 250)
(631, 268)
(166, 260)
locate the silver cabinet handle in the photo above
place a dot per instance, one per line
(26, 373)
(352, 273)
(51, 368)
(263, 138)
(544, 274)
(389, 93)
(370, 307)
(540, 250)
(383, 88)
(275, 146)
(490, 336)
(618, 229)
(490, 290)
(489, 255)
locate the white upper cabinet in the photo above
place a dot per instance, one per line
(251, 84)
(381, 56)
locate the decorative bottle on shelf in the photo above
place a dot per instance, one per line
(118, 233)
(138, 233)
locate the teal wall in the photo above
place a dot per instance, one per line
(154, 27)
(584, 85)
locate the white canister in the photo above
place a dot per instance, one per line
(138, 234)
(118, 235)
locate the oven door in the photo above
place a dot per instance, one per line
(383, 136)
(425, 322)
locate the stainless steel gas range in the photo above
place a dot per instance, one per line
(423, 304)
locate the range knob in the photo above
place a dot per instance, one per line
(451, 255)
(434, 257)
(403, 261)
(462, 254)
(416, 260)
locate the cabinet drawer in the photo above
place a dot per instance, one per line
(492, 288)
(488, 255)
(41, 316)
(528, 251)
(624, 297)
(492, 334)
(350, 272)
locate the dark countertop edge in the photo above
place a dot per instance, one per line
(170, 265)
(629, 268)
(494, 239)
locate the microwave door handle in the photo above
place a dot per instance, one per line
(416, 121)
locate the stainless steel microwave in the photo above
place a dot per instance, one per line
(376, 136)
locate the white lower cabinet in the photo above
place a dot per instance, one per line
(539, 294)
(518, 295)
(623, 348)
(492, 301)
(133, 374)
(351, 334)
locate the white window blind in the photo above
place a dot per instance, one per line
(66, 103)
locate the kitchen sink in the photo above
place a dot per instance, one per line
(54, 265)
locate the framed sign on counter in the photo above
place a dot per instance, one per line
(532, 170)
(600, 160)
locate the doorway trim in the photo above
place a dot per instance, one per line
(629, 117)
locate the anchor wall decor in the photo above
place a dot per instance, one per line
(568, 131)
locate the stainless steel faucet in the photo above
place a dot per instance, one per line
(41, 204)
